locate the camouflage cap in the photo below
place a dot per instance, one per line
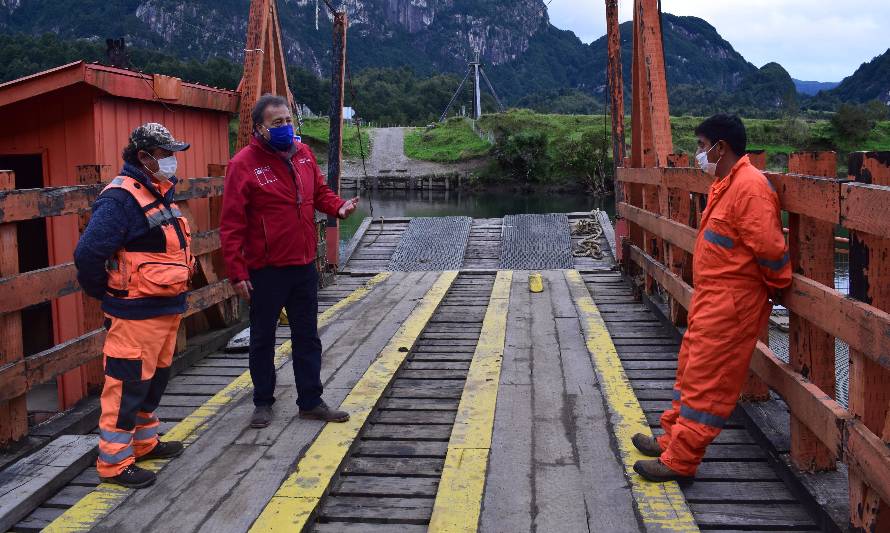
(154, 135)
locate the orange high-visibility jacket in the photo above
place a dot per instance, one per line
(159, 264)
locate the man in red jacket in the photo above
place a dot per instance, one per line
(273, 187)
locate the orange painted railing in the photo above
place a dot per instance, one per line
(19, 374)
(668, 204)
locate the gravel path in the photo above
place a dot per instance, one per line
(388, 158)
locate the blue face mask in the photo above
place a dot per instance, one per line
(282, 137)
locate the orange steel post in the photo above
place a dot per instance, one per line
(869, 381)
(811, 244)
(651, 117)
(14, 412)
(616, 90)
(335, 141)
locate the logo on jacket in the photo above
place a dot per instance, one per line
(265, 176)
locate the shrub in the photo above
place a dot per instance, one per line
(524, 155)
(853, 121)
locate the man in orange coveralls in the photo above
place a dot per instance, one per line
(740, 262)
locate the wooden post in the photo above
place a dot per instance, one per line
(755, 390)
(231, 306)
(92, 312)
(335, 143)
(13, 413)
(680, 263)
(869, 382)
(811, 245)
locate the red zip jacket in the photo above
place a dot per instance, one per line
(269, 203)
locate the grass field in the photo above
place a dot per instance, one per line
(450, 142)
(318, 129)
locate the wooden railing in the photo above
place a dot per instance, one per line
(663, 209)
(19, 374)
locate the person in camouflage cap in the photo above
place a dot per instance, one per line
(135, 256)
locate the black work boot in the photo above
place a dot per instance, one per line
(325, 413)
(655, 470)
(262, 416)
(647, 445)
(163, 450)
(133, 477)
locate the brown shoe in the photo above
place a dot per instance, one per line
(262, 416)
(647, 445)
(655, 470)
(324, 413)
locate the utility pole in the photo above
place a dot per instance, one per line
(477, 95)
(335, 140)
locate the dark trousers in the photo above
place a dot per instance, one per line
(295, 288)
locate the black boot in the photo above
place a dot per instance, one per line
(133, 477)
(163, 450)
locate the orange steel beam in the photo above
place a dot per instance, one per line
(616, 89)
(264, 64)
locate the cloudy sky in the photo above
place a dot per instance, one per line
(821, 40)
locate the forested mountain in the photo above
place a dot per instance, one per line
(530, 62)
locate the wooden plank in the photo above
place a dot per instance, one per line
(68, 496)
(364, 527)
(385, 486)
(32, 480)
(407, 432)
(865, 208)
(414, 417)
(401, 448)
(39, 519)
(813, 196)
(734, 471)
(27, 204)
(764, 515)
(388, 510)
(395, 466)
(738, 491)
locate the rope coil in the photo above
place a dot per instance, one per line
(589, 227)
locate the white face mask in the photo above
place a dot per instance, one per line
(166, 167)
(702, 159)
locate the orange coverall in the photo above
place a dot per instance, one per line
(740, 258)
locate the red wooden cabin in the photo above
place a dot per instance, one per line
(59, 124)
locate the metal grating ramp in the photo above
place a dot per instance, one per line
(536, 242)
(432, 244)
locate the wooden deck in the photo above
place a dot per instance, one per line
(476, 405)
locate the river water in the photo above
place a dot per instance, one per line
(485, 204)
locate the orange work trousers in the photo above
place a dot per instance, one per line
(138, 355)
(724, 327)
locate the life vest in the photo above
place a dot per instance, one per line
(158, 264)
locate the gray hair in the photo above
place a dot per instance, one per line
(266, 101)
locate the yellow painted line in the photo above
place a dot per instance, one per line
(459, 498)
(90, 509)
(292, 506)
(661, 506)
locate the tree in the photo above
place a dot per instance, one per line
(853, 121)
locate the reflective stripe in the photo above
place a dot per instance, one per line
(114, 458)
(117, 181)
(146, 433)
(676, 395)
(719, 240)
(701, 417)
(115, 437)
(156, 219)
(776, 265)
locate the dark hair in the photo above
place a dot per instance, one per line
(266, 101)
(130, 154)
(726, 128)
